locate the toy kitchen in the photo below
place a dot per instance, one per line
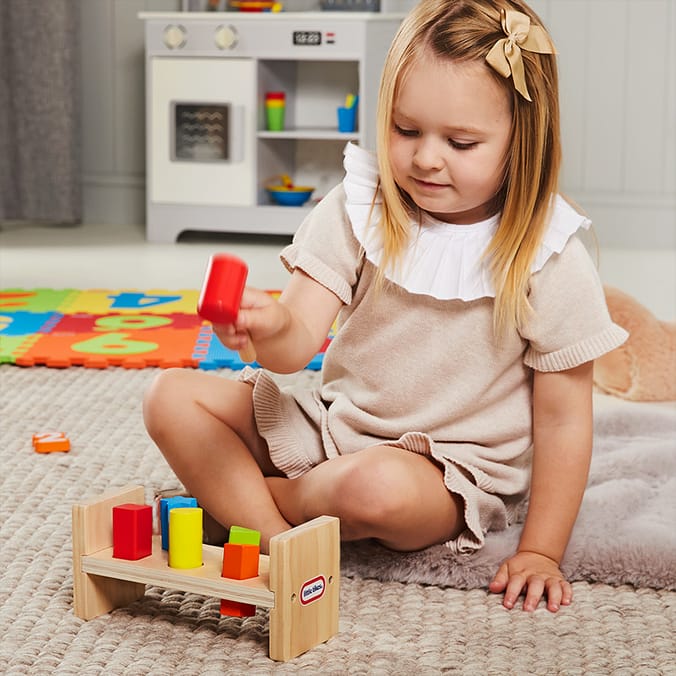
(248, 113)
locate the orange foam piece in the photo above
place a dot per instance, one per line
(48, 442)
(240, 561)
(237, 609)
(130, 349)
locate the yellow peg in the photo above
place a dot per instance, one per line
(185, 537)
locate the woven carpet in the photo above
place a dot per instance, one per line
(386, 627)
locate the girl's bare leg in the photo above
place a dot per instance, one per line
(204, 426)
(389, 494)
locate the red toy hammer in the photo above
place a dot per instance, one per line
(221, 294)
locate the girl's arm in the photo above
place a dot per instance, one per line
(562, 445)
(288, 332)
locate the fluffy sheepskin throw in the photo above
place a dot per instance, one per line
(625, 531)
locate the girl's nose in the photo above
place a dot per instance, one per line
(427, 155)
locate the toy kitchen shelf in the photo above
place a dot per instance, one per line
(209, 153)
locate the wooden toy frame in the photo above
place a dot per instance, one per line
(299, 581)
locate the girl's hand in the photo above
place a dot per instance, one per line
(535, 574)
(260, 316)
(283, 333)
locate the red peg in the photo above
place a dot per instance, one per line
(222, 290)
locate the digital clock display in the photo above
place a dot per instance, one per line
(311, 38)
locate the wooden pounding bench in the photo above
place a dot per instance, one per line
(299, 581)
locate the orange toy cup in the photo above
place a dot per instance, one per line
(222, 290)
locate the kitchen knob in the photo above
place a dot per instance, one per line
(226, 37)
(174, 36)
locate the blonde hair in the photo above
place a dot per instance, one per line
(465, 30)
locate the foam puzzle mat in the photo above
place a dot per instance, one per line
(99, 328)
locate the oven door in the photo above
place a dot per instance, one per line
(202, 131)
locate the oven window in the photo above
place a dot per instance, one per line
(201, 132)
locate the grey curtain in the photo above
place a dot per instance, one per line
(40, 176)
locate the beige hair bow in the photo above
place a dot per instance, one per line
(505, 55)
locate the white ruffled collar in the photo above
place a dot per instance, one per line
(442, 260)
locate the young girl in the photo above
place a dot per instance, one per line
(460, 378)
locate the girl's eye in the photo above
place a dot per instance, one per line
(405, 132)
(461, 146)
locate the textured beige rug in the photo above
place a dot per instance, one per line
(387, 627)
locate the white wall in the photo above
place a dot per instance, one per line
(618, 72)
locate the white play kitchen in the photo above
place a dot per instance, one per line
(215, 84)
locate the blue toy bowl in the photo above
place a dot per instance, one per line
(290, 197)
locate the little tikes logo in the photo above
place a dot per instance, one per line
(312, 590)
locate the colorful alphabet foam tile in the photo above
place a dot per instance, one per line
(99, 328)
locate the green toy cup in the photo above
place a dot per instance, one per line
(275, 107)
